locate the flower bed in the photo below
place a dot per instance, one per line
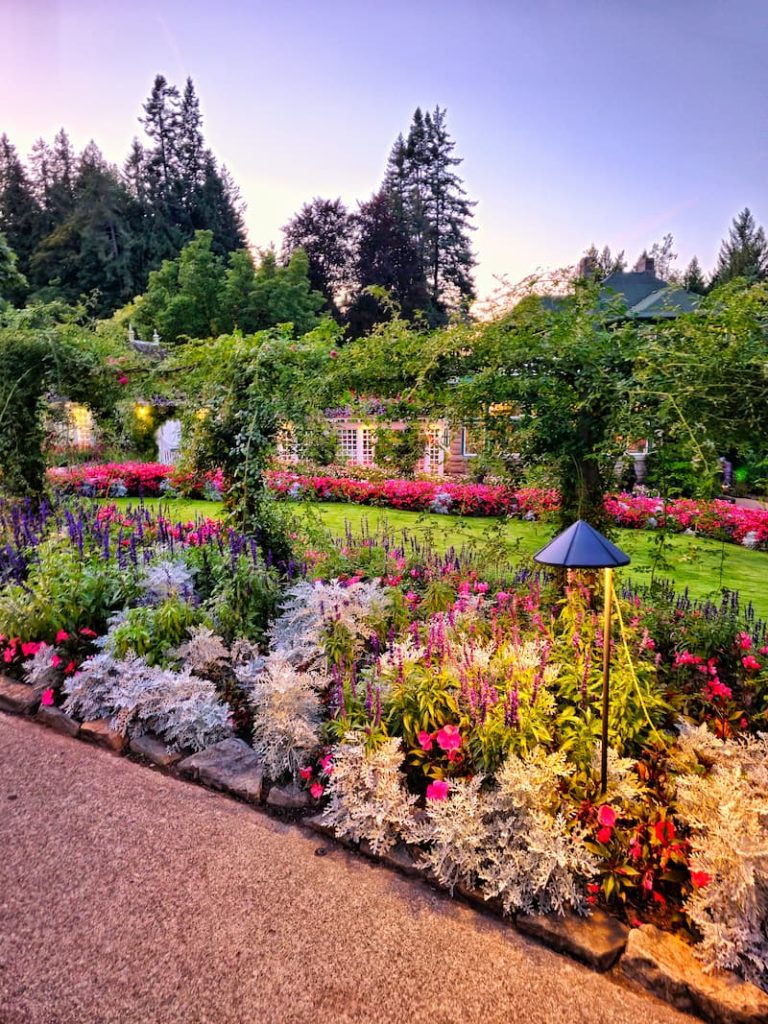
(134, 479)
(417, 698)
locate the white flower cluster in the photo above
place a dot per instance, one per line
(511, 842)
(368, 798)
(180, 707)
(726, 810)
(286, 716)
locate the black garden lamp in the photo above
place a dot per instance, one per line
(582, 547)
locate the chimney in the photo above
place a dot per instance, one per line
(646, 264)
(585, 268)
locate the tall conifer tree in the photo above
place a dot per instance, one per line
(744, 253)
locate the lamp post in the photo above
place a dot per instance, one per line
(582, 547)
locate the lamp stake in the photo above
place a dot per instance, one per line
(608, 598)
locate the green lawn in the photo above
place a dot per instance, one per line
(704, 566)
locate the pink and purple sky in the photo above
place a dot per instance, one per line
(579, 121)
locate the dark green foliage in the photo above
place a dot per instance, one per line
(19, 210)
(197, 295)
(12, 282)
(744, 253)
(693, 279)
(40, 358)
(385, 258)
(598, 265)
(323, 229)
(431, 209)
(80, 227)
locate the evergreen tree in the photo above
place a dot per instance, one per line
(384, 258)
(20, 213)
(88, 251)
(448, 212)
(429, 202)
(13, 284)
(220, 208)
(323, 229)
(693, 278)
(744, 253)
(601, 264)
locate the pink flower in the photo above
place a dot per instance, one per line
(317, 790)
(8, 655)
(122, 379)
(750, 663)
(438, 790)
(333, 353)
(326, 763)
(62, 636)
(30, 649)
(47, 698)
(604, 834)
(606, 816)
(305, 773)
(55, 661)
(70, 668)
(449, 737)
(90, 633)
(425, 740)
(744, 641)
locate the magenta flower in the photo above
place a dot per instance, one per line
(606, 816)
(449, 738)
(47, 698)
(425, 740)
(438, 790)
(317, 790)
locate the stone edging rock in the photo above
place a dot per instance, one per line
(657, 961)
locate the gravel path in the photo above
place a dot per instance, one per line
(128, 896)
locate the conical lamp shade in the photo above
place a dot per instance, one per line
(581, 547)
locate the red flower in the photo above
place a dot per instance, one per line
(750, 663)
(70, 668)
(317, 790)
(305, 773)
(62, 636)
(665, 831)
(606, 816)
(700, 879)
(604, 834)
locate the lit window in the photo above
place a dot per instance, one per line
(366, 446)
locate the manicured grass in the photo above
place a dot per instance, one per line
(704, 566)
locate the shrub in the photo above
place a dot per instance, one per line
(286, 717)
(367, 795)
(178, 706)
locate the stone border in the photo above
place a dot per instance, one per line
(645, 957)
